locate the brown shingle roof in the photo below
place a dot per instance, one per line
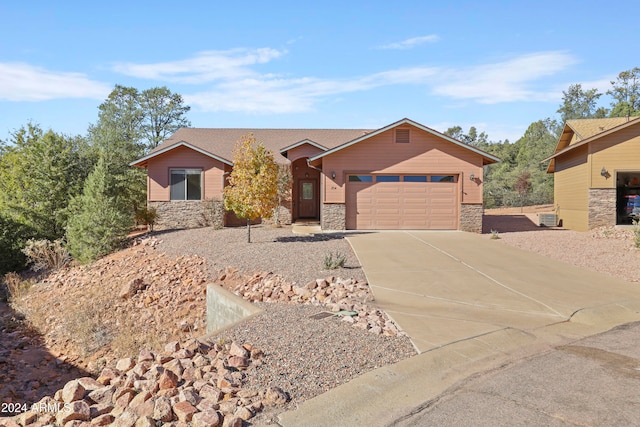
(583, 131)
(221, 141)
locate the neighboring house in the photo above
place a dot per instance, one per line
(402, 176)
(596, 170)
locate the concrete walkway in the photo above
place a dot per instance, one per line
(469, 305)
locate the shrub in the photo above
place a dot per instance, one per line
(147, 216)
(12, 238)
(45, 254)
(333, 261)
(494, 235)
(16, 286)
(96, 225)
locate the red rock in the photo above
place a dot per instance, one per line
(145, 422)
(102, 420)
(99, 409)
(184, 411)
(146, 408)
(238, 362)
(238, 350)
(172, 347)
(243, 413)
(139, 399)
(211, 393)
(146, 355)
(78, 410)
(162, 410)
(72, 391)
(275, 396)
(126, 419)
(209, 418)
(168, 380)
(103, 394)
(125, 364)
(89, 383)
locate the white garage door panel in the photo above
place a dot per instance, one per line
(402, 205)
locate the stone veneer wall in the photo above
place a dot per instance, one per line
(333, 216)
(283, 212)
(188, 214)
(471, 218)
(602, 207)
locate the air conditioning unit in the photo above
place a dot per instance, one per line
(547, 220)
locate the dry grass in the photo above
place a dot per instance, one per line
(16, 286)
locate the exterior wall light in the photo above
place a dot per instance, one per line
(604, 172)
(472, 177)
(333, 175)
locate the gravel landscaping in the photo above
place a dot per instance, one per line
(298, 258)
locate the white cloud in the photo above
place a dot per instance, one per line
(205, 67)
(269, 94)
(234, 85)
(506, 81)
(410, 43)
(24, 82)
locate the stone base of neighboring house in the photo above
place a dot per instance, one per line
(602, 207)
(471, 218)
(282, 214)
(333, 216)
(188, 214)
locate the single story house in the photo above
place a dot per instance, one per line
(596, 171)
(402, 176)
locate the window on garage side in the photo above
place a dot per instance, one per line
(186, 184)
(360, 178)
(443, 178)
(388, 178)
(415, 178)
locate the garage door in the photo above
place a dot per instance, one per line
(402, 202)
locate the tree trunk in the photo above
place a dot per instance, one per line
(248, 230)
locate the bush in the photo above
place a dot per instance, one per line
(147, 216)
(96, 225)
(12, 238)
(333, 261)
(45, 254)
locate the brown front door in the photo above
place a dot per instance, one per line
(308, 198)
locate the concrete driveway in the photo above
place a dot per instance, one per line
(442, 287)
(469, 304)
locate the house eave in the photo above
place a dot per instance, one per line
(487, 158)
(142, 162)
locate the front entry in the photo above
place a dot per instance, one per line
(308, 198)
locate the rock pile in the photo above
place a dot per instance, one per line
(341, 296)
(109, 309)
(197, 383)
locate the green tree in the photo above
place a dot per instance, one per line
(97, 225)
(580, 104)
(626, 93)
(472, 137)
(39, 174)
(129, 124)
(253, 184)
(163, 114)
(13, 236)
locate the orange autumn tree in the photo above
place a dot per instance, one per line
(252, 191)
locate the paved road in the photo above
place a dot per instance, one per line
(472, 305)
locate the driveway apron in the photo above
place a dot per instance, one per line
(442, 287)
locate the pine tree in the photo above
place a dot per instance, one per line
(96, 226)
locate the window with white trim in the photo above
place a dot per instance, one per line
(186, 184)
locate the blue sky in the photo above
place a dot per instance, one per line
(495, 65)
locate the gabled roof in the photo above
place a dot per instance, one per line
(580, 132)
(487, 158)
(219, 142)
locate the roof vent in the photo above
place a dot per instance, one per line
(402, 136)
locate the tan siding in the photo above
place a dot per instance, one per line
(426, 153)
(304, 150)
(183, 157)
(571, 189)
(618, 151)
